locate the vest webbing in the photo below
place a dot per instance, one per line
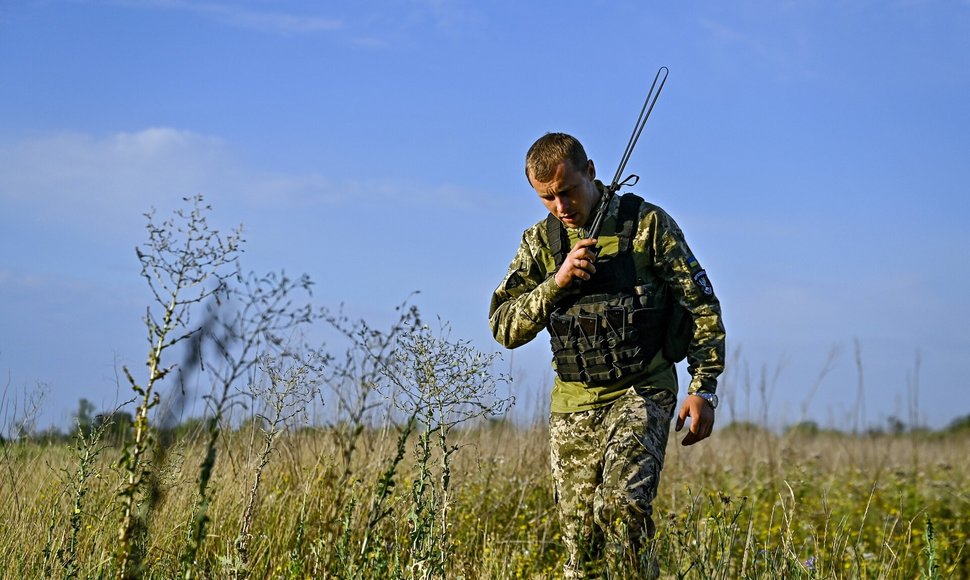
(608, 330)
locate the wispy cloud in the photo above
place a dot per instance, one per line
(451, 15)
(314, 190)
(72, 174)
(786, 52)
(243, 17)
(29, 283)
(370, 27)
(74, 177)
(723, 34)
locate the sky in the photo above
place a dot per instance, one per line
(814, 152)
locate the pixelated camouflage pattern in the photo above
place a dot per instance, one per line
(606, 465)
(522, 303)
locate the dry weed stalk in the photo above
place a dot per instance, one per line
(355, 382)
(443, 383)
(185, 263)
(88, 446)
(257, 312)
(290, 382)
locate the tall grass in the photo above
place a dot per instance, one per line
(412, 475)
(834, 506)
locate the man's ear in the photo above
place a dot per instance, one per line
(590, 169)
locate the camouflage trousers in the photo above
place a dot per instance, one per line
(606, 465)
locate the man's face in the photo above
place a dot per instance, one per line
(570, 195)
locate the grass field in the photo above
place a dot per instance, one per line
(745, 504)
(410, 479)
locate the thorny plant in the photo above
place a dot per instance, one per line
(186, 263)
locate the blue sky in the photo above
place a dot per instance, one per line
(815, 153)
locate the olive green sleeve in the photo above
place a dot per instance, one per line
(691, 287)
(521, 304)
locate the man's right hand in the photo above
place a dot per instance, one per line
(578, 265)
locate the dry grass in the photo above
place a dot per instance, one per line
(744, 504)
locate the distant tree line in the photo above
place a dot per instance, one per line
(118, 425)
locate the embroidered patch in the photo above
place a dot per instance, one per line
(691, 262)
(700, 278)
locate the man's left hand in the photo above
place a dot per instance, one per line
(701, 419)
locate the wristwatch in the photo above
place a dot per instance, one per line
(709, 397)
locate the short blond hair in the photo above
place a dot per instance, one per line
(549, 151)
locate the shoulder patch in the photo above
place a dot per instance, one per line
(703, 283)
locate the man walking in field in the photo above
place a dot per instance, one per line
(620, 310)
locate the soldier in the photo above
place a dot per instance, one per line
(620, 310)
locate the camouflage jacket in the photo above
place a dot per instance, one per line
(522, 303)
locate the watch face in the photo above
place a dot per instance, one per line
(710, 398)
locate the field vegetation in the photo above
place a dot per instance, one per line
(746, 504)
(414, 470)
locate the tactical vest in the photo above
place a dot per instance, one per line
(617, 324)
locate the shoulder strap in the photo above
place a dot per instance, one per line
(558, 239)
(627, 221)
(626, 228)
